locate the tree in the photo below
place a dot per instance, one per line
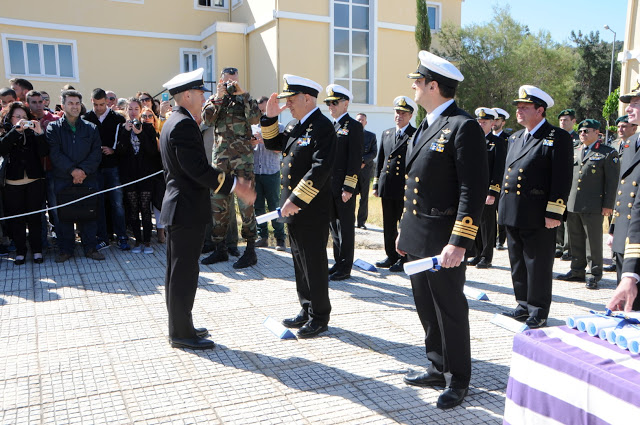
(423, 41)
(592, 71)
(498, 57)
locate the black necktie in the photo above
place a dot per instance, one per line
(398, 136)
(423, 127)
(526, 139)
(584, 153)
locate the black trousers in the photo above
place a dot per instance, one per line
(391, 213)
(309, 250)
(343, 232)
(486, 238)
(444, 313)
(19, 199)
(619, 260)
(184, 243)
(364, 183)
(531, 253)
(585, 242)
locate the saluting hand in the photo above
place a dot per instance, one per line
(273, 106)
(245, 191)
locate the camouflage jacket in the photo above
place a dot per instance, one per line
(232, 117)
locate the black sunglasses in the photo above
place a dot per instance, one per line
(333, 102)
(111, 97)
(230, 71)
(145, 99)
(586, 130)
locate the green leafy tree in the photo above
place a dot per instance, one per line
(610, 110)
(498, 57)
(423, 41)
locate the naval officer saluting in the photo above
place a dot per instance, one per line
(186, 208)
(535, 188)
(308, 146)
(447, 182)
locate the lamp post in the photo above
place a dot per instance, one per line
(613, 48)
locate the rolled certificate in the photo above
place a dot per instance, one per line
(634, 345)
(597, 323)
(625, 334)
(417, 266)
(269, 216)
(572, 321)
(610, 335)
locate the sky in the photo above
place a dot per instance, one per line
(558, 17)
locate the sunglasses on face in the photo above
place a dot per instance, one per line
(147, 116)
(111, 98)
(145, 99)
(333, 102)
(586, 130)
(44, 99)
(230, 71)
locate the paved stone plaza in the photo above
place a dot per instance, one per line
(85, 342)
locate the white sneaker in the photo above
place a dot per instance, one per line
(148, 250)
(137, 249)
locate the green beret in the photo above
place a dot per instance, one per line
(624, 118)
(589, 123)
(570, 112)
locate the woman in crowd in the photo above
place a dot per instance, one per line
(23, 146)
(148, 117)
(139, 157)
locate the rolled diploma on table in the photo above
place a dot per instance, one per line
(269, 216)
(594, 325)
(625, 334)
(634, 345)
(572, 321)
(417, 266)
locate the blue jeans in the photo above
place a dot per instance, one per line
(108, 178)
(268, 189)
(64, 229)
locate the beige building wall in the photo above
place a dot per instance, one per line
(264, 77)
(253, 11)
(311, 7)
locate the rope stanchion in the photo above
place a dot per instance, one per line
(81, 199)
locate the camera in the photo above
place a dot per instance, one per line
(137, 124)
(28, 124)
(231, 88)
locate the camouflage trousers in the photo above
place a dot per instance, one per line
(221, 215)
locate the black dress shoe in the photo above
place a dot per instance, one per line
(192, 343)
(451, 397)
(233, 251)
(519, 315)
(386, 263)
(19, 262)
(296, 322)
(558, 253)
(202, 332)
(311, 329)
(333, 268)
(474, 261)
(207, 248)
(535, 323)
(570, 277)
(362, 226)
(398, 266)
(566, 257)
(425, 379)
(500, 247)
(339, 276)
(592, 283)
(610, 268)
(483, 264)
(39, 260)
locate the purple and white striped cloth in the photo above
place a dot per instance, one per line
(564, 376)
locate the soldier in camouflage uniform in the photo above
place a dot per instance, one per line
(231, 112)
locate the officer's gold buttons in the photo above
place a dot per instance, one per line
(415, 202)
(506, 191)
(399, 156)
(284, 154)
(629, 217)
(281, 187)
(579, 180)
(404, 209)
(291, 154)
(506, 177)
(580, 172)
(506, 184)
(415, 190)
(622, 181)
(417, 179)
(397, 174)
(518, 185)
(405, 198)
(289, 187)
(578, 188)
(635, 183)
(629, 204)
(519, 177)
(405, 187)
(518, 193)
(406, 176)
(521, 170)
(415, 212)
(619, 192)
(508, 169)
(289, 176)
(632, 194)
(617, 203)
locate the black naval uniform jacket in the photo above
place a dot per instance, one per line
(497, 154)
(308, 152)
(389, 178)
(503, 135)
(187, 172)
(626, 195)
(370, 149)
(447, 177)
(348, 156)
(595, 178)
(537, 178)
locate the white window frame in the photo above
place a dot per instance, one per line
(438, 7)
(40, 41)
(214, 75)
(190, 51)
(373, 29)
(222, 8)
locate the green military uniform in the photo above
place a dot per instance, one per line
(595, 176)
(232, 117)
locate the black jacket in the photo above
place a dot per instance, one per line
(24, 153)
(537, 178)
(308, 152)
(107, 129)
(69, 150)
(188, 172)
(348, 157)
(497, 154)
(447, 180)
(147, 161)
(389, 178)
(370, 148)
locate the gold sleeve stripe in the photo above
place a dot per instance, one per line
(305, 191)
(351, 181)
(271, 131)
(557, 207)
(465, 228)
(495, 187)
(221, 179)
(631, 250)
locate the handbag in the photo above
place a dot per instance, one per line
(84, 210)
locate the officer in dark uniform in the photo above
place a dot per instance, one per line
(345, 178)
(567, 122)
(308, 146)
(627, 194)
(447, 180)
(498, 130)
(534, 195)
(389, 180)
(496, 154)
(369, 152)
(626, 295)
(186, 208)
(593, 191)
